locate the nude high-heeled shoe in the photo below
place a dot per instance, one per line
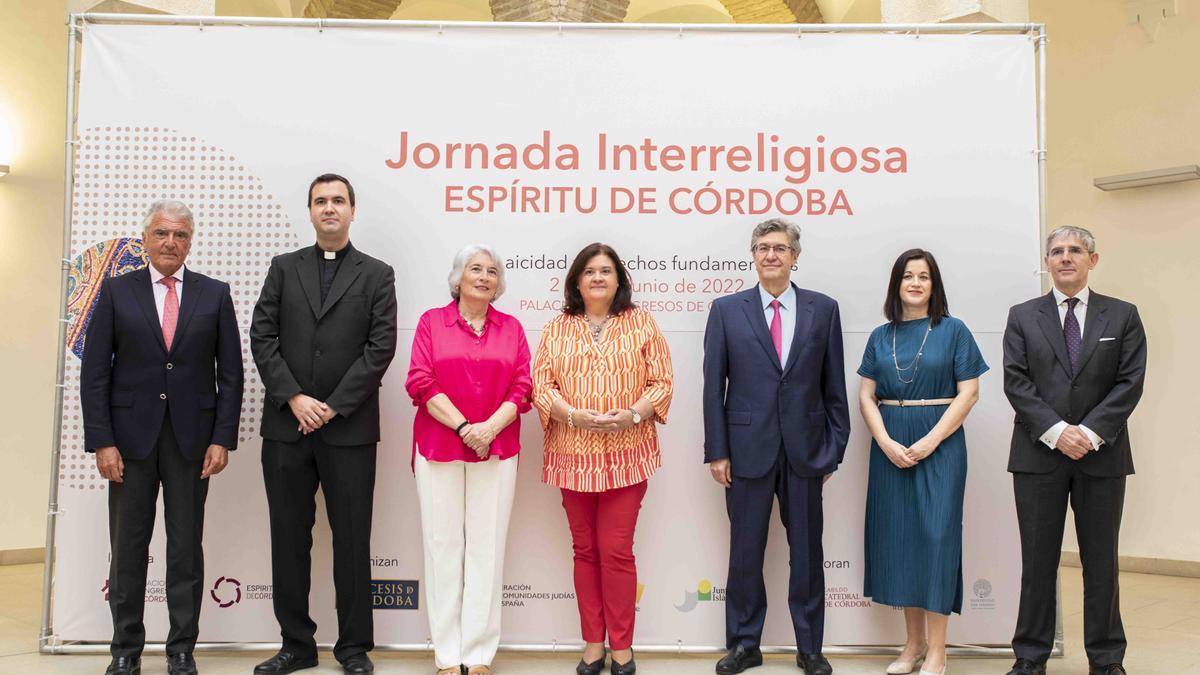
(899, 667)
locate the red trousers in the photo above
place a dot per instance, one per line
(602, 525)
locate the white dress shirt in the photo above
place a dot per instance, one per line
(160, 290)
(787, 316)
(1050, 438)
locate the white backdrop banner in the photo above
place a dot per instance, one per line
(667, 145)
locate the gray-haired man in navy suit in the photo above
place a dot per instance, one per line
(161, 391)
(776, 425)
(1074, 364)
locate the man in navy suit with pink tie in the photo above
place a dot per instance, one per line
(161, 393)
(776, 423)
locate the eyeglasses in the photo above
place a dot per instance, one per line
(1069, 250)
(764, 249)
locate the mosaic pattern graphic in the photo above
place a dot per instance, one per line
(119, 173)
(88, 270)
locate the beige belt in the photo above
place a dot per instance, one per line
(919, 402)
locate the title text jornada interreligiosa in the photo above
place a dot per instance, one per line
(765, 159)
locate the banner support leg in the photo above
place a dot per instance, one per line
(46, 634)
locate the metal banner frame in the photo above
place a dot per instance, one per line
(49, 643)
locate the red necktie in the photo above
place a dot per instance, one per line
(170, 310)
(777, 330)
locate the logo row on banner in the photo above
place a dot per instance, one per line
(404, 594)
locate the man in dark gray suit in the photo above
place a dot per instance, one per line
(323, 335)
(1074, 365)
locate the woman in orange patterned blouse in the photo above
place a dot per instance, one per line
(601, 379)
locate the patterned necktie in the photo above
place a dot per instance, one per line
(1071, 333)
(170, 310)
(777, 330)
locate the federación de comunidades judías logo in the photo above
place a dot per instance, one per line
(705, 592)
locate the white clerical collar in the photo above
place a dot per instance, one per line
(156, 276)
(1060, 297)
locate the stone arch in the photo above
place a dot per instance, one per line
(350, 9)
(586, 11)
(773, 11)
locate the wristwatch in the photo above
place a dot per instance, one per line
(637, 419)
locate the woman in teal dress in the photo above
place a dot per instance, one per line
(920, 377)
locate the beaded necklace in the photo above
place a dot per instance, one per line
(915, 364)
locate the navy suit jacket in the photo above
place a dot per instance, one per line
(753, 405)
(128, 377)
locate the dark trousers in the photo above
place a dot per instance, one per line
(131, 511)
(749, 503)
(346, 475)
(1041, 515)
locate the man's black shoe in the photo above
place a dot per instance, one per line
(285, 662)
(181, 664)
(1110, 669)
(124, 665)
(1027, 667)
(359, 664)
(813, 664)
(738, 659)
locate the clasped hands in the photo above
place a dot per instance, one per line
(310, 413)
(907, 457)
(478, 437)
(606, 423)
(1074, 443)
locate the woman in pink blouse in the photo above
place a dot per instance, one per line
(469, 378)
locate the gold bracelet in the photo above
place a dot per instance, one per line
(571, 418)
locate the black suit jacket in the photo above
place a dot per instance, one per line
(753, 404)
(128, 377)
(336, 351)
(1101, 395)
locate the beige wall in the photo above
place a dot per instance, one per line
(1119, 104)
(32, 101)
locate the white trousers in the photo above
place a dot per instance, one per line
(464, 523)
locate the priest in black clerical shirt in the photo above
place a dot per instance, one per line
(323, 334)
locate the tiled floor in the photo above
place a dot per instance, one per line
(1162, 621)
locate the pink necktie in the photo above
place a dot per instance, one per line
(170, 310)
(777, 330)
